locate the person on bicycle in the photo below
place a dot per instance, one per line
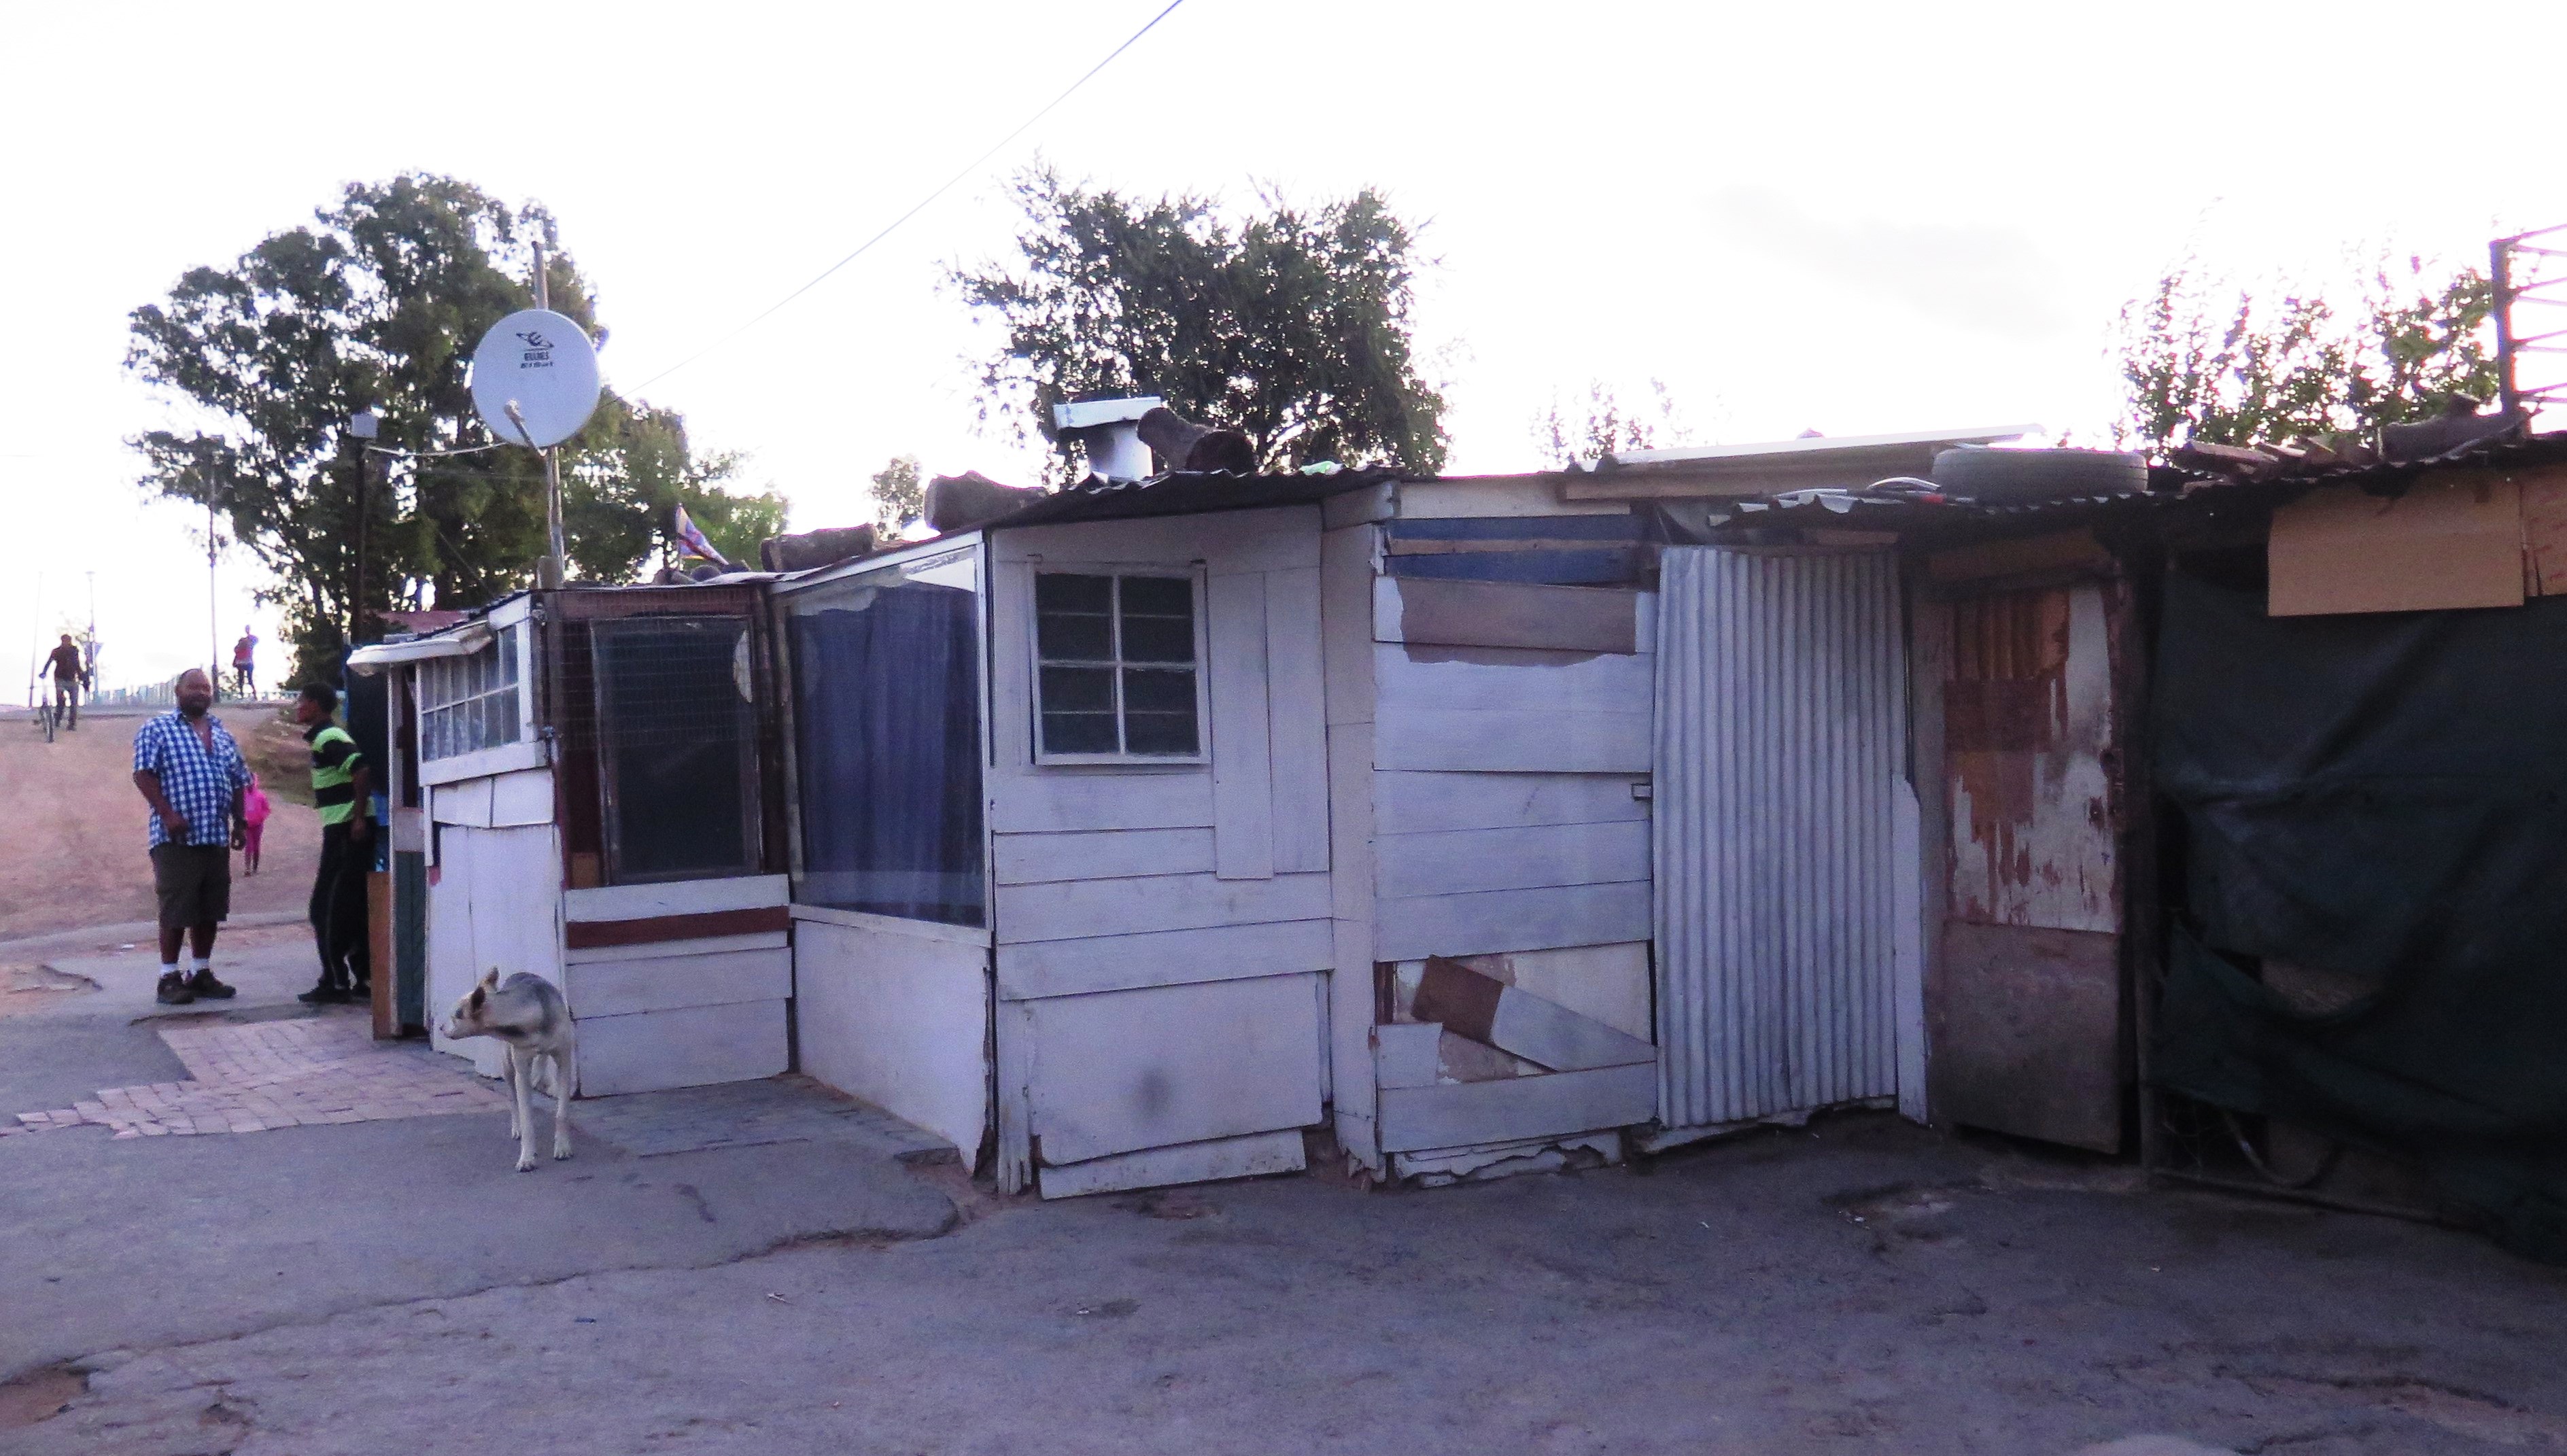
(245, 664)
(69, 675)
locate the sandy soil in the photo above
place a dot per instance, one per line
(74, 852)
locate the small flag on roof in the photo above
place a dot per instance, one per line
(691, 541)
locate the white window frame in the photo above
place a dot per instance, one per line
(1201, 665)
(513, 640)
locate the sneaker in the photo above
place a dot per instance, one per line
(204, 986)
(173, 990)
(324, 995)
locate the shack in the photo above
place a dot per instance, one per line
(590, 781)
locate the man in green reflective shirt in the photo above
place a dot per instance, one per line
(342, 788)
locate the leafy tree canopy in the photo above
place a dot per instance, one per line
(1602, 424)
(900, 497)
(379, 303)
(1290, 325)
(2203, 361)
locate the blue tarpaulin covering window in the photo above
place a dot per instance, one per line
(887, 724)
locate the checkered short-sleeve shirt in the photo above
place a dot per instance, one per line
(197, 779)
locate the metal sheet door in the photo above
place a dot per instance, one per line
(1781, 737)
(2026, 1029)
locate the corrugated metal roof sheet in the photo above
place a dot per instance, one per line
(1187, 493)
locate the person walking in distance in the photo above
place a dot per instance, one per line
(245, 664)
(342, 788)
(70, 674)
(190, 772)
(254, 811)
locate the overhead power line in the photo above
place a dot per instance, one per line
(922, 205)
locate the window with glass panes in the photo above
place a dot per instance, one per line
(470, 703)
(1115, 672)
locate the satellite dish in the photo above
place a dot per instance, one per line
(534, 377)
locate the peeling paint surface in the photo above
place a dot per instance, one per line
(2028, 721)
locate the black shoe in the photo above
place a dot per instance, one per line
(173, 990)
(324, 995)
(206, 988)
(362, 991)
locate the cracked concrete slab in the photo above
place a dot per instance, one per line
(1860, 1287)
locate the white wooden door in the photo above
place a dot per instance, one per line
(497, 902)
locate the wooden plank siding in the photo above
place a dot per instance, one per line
(1134, 1069)
(1412, 803)
(1525, 740)
(1094, 964)
(1298, 735)
(1243, 777)
(1110, 854)
(1493, 921)
(1458, 861)
(1071, 909)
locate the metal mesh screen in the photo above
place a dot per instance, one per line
(671, 719)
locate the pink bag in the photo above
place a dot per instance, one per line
(254, 803)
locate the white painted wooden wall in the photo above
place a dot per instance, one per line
(494, 901)
(1162, 932)
(682, 1013)
(896, 1011)
(1484, 803)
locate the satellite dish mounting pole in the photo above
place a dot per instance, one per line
(554, 569)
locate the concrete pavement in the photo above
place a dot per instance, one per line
(1858, 1287)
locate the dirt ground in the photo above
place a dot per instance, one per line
(75, 852)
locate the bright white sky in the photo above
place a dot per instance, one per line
(1850, 217)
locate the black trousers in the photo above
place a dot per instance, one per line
(337, 907)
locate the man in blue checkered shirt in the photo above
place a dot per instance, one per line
(190, 772)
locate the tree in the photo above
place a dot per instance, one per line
(378, 303)
(2202, 362)
(899, 497)
(1291, 325)
(618, 498)
(1607, 428)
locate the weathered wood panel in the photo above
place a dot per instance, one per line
(1524, 741)
(1521, 1024)
(1071, 909)
(684, 897)
(1457, 1115)
(466, 804)
(1510, 920)
(1413, 803)
(1502, 678)
(1345, 613)
(1404, 1053)
(1256, 1155)
(2453, 540)
(1609, 983)
(1133, 1069)
(1458, 861)
(1279, 539)
(522, 797)
(1111, 854)
(901, 1022)
(582, 935)
(774, 940)
(1062, 800)
(1506, 614)
(1243, 779)
(1162, 958)
(663, 983)
(691, 1047)
(1297, 731)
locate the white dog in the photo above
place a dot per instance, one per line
(528, 1014)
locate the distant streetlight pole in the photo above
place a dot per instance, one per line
(362, 426)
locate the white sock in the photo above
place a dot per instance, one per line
(203, 963)
(169, 968)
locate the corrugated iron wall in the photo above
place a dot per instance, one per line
(1781, 737)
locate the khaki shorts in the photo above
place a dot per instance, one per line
(194, 882)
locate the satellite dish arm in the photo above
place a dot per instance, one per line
(525, 436)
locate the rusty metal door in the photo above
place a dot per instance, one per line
(2027, 1021)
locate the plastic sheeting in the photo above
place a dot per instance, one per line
(887, 724)
(2375, 806)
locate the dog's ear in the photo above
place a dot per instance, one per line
(490, 979)
(479, 993)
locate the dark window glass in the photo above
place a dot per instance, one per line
(887, 749)
(1087, 628)
(1158, 639)
(1078, 732)
(677, 748)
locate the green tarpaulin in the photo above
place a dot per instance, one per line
(2382, 799)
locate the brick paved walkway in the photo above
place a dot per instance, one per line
(292, 1073)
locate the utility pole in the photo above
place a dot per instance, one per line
(213, 622)
(554, 568)
(362, 426)
(35, 643)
